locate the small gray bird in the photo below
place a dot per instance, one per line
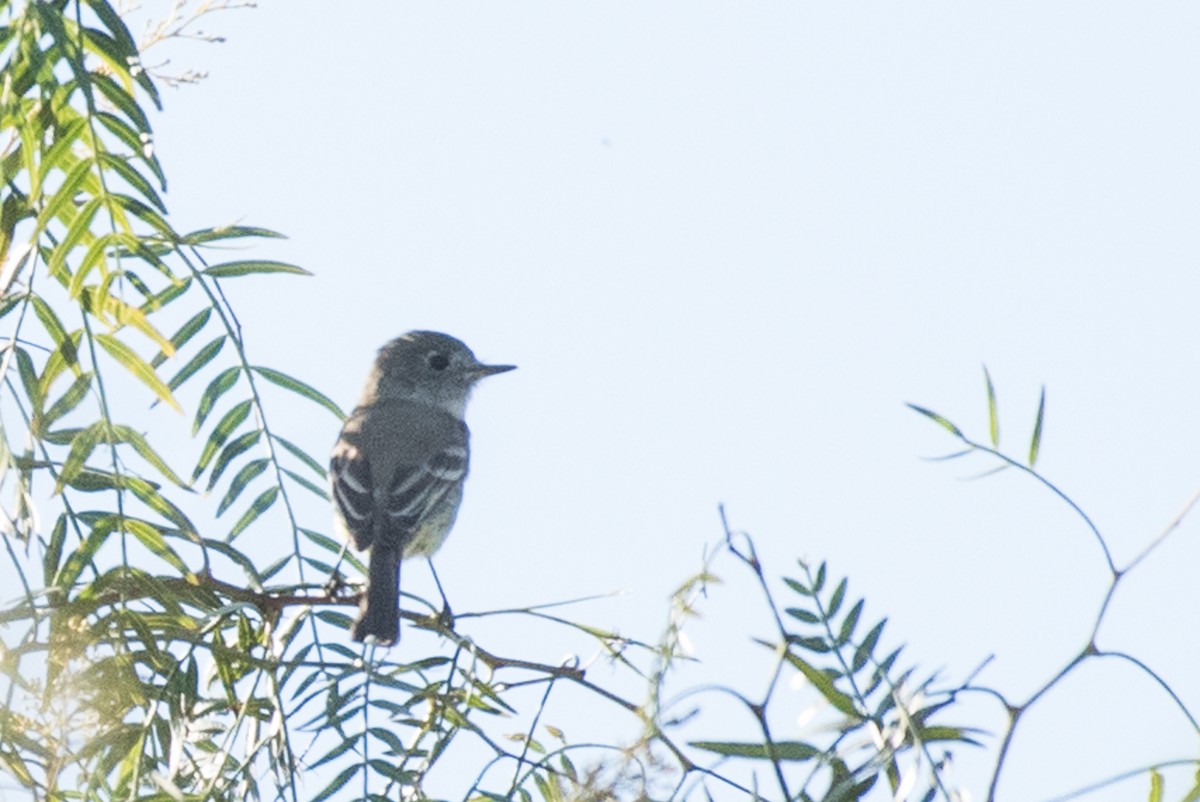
(398, 467)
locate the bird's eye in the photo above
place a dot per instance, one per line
(437, 361)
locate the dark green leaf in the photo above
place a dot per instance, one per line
(186, 332)
(778, 751)
(222, 233)
(824, 685)
(236, 447)
(223, 383)
(295, 385)
(849, 623)
(300, 480)
(800, 588)
(246, 267)
(244, 562)
(803, 615)
(260, 505)
(82, 446)
(249, 472)
(301, 455)
(835, 601)
(197, 363)
(142, 446)
(67, 402)
(867, 648)
(54, 548)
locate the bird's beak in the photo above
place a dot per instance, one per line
(491, 370)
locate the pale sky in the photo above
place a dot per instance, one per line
(725, 242)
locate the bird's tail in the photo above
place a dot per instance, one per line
(380, 614)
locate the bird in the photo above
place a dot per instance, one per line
(399, 464)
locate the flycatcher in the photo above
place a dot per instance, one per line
(398, 467)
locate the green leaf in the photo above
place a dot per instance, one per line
(124, 101)
(112, 309)
(76, 231)
(819, 581)
(244, 562)
(835, 601)
(260, 505)
(803, 615)
(67, 402)
(49, 321)
(197, 363)
(186, 332)
(993, 414)
(316, 490)
(249, 472)
(938, 419)
(1035, 443)
(246, 267)
(83, 554)
(824, 685)
(777, 751)
(301, 455)
(850, 622)
(148, 494)
(799, 587)
(221, 233)
(337, 783)
(295, 385)
(152, 539)
(137, 182)
(64, 194)
(134, 141)
(29, 378)
(224, 429)
(140, 369)
(54, 548)
(865, 649)
(1156, 786)
(231, 452)
(82, 446)
(223, 383)
(141, 445)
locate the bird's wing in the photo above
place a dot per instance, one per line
(417, 492)
(350, 478)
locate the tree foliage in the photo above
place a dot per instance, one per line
(147, 651)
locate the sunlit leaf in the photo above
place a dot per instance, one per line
(1035, 442)
(152, 539)
(824, 685)
(936, 418)
(139, 368)
(993, 413)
